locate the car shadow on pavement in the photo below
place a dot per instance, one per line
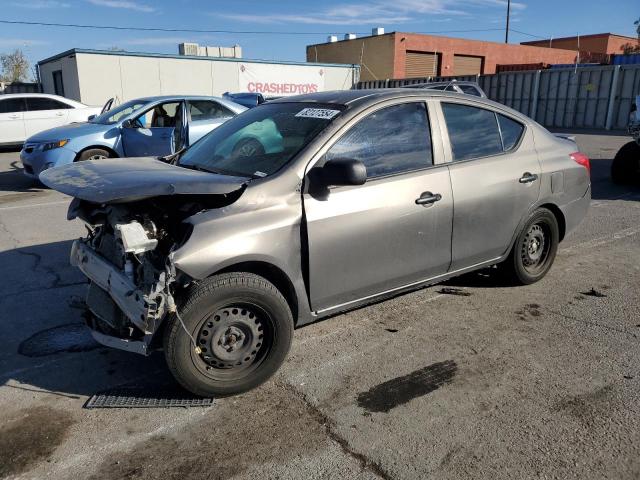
(603, 188)
(47, 347)
(15, 181)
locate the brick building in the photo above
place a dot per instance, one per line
(410, 55)
(597, 43)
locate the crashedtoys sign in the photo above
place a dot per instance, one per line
(280, 80)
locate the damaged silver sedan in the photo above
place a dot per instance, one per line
(308, 206)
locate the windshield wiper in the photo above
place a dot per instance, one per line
(173, 158)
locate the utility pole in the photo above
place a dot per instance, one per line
(506, 34)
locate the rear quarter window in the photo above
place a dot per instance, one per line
(511, 132)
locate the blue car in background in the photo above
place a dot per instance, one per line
(144, 127)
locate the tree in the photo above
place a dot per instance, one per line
(629, 48)
(15, 66)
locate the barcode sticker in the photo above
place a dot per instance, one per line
(323, 113)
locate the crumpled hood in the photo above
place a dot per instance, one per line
(118, 180)
(72, 130)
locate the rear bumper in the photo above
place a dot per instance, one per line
(574, 212)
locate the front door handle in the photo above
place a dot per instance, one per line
(14, 117)
(427, 198)
(60, 114)
(528, 177)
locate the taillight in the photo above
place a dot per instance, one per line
(581, 159)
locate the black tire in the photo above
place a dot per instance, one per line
(93, 154)
(248, 148)
(625, 168)
(243, 325)
(534, 250)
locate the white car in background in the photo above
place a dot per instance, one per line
(25, 114)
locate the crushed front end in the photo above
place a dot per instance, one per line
(132, 281)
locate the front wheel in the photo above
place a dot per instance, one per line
(535, 248)
(93, 154)
(242, 327)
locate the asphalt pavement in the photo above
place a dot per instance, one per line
(470, 379)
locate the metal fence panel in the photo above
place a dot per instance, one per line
(556, 98)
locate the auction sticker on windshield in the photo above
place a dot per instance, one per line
(324, 113)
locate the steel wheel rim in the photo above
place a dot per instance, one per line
(234, 340)
(535, 247)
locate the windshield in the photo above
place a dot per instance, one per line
(260, 141)
(114, 115)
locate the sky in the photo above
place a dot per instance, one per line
(474, 19)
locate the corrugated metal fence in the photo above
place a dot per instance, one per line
(586, 97)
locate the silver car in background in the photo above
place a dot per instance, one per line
(217, 255)
(459, 86)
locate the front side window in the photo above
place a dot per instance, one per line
(12, 105)
(473, 131)
(260, 141)
(43, 103)
(160, 116)
(392, 140)
(511, 132)
(207, 110)
(116, 114)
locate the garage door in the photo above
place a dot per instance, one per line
(422, 64)
(466, 65)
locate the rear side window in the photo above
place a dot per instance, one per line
(12, 105)
(511, 132)
(473, 132)
(392, 140)
(207, 110)
(41, 103)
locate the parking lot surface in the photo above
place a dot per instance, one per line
(471, 379)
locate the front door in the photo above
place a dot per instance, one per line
(495, 176)
(151, 133)
(12, 120)
(390, 232)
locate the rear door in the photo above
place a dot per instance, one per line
(205, 116)
(44, 113)
(12, 120)
(495, 176)
(151, 133)
(368, 239)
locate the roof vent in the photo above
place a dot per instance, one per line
(377, 31)
(349, 36)
(332, 38)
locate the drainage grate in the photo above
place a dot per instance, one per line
(146, 397)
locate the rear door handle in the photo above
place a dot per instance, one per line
(427, 198)
(59, 114)
(528, 177)
(14, 117)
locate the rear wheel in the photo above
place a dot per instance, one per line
(242, 327)
(535, 248)
(93, 154)
(625, 168)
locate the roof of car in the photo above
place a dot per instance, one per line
(354, 98)
(47, 95)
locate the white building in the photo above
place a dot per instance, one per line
(93, 76)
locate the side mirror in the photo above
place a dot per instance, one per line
(91, 117)
(344, 171)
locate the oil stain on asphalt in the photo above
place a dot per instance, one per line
(31, 438)
(71, 337)
(400, 390)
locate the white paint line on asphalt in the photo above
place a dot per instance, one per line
(34, 205)
(598, 242)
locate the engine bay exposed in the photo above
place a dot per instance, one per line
(126, 255)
